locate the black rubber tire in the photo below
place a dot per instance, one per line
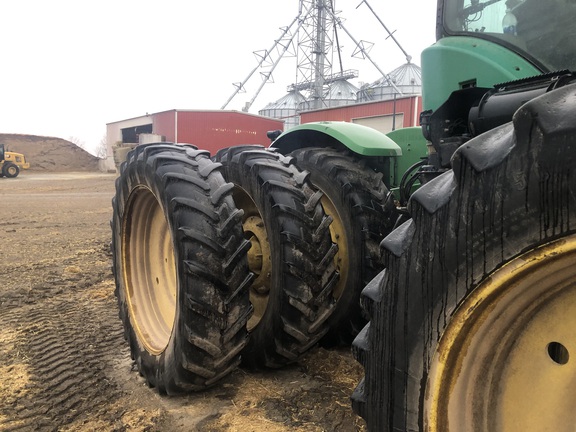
(367, 214)
(210, 259)
(511, 190)
(10, 170)
(302, 273)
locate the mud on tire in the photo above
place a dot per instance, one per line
(363, 214)
(180, 265)
(511, 193)
(291, 255)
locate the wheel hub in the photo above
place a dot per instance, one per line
(259, 255)
(150, 270)
(507, 360)
(338, 234)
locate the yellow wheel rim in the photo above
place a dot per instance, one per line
(259, 257)
(507, 360)
(338, 234)
(149, 270)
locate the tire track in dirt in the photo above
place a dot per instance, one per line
(61, 347)
(31, 282)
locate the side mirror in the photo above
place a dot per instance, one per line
(272, 135)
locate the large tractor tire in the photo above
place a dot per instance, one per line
(181, 268)
(292, 254)
(363, 214)
(10, 170)
(472, 324)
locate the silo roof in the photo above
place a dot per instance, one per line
(288, 101)
(408, 74)
(341, 90)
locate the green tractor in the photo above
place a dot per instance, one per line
(457, 240)
(470, 323)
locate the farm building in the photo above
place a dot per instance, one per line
(384, 116)
(208, 130)
(389, 103)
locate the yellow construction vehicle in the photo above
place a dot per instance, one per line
(11, 163)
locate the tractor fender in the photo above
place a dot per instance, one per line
(414, 148)
(359, 139)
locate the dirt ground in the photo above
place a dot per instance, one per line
(64, 364)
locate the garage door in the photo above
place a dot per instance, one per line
(381, 123)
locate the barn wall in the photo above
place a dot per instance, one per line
(409, 107)
(208, 130)
(214, 130)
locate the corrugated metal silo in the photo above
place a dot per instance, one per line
(285, 108)
(406, 78)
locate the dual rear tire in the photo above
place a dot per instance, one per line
(292, 254)
(362, 212)
(216, 261)
(181, 268)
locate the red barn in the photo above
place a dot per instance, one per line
(208, 130)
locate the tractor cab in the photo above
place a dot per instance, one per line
(542, 32)
(490, 58)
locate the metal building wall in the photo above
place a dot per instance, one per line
(213, 130)
(410, 107)
(208, 130)
(164, 123)
(114, 136)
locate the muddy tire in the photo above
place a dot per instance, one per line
(291, 255)
(10, 170)
(472, 322)
(180, 265)
(363, 214)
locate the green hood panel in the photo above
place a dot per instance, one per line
(360, 139)
(455, 62)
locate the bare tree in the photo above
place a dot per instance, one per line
(78, 142)
(100, 151)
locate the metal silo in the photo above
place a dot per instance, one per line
(405, 80)
(339, 93)
(285, 108)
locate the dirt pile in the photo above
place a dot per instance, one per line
(49, 153)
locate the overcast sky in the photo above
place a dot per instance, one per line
(71, 66)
